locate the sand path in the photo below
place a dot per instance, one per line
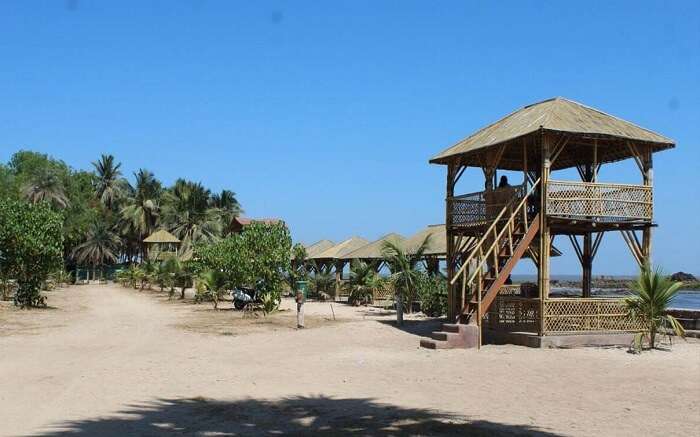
(121, 366)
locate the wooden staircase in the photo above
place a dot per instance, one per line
(485, 271)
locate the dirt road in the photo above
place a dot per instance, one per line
(114, 361)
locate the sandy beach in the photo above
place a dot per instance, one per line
(105, 360)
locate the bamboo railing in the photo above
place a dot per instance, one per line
(590, 199)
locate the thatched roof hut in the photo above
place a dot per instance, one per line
(318, 247)
(373, 250)
(523, 127)
(341, 249)
(238, 223)
(161, 237)
(437, 245)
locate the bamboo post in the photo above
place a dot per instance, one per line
(452, 288)
(544, 246)
(648, 181)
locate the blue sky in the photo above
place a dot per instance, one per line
(326, 113)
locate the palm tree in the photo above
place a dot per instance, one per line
(653, 293)
(215, 282)
(228, 206)
(188, 214)
(321, 281)
(140, 215)
(363, 281)
(109, 185)
(46, 187)
(404, 271)
(101, 246)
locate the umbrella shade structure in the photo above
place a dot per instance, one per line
(373, 250)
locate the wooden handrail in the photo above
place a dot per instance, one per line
(492, 229)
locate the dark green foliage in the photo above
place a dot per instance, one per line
(31, 245)
(363, 281)
(259, 257)
(653, 292)
(432, 293)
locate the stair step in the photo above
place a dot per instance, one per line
(450, 327)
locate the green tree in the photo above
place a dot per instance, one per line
(187, 213)
(139, 218)
(404, 272)
(653, 292)
(228, 207)
(363, 281)
(108, 185)
(31, 244)
(100, 247)
(46, 187)
(215, 282)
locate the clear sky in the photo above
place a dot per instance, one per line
(325, 113)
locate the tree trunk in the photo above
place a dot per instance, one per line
(182, 292)
(652, 337)
(399, 309)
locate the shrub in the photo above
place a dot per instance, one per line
(258, 256)
(31, 244)
(652, 295)
(432, 293)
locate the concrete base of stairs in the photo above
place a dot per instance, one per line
(453, 336)
(558, 341)
(460, 336)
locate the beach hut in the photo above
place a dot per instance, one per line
(162, 244)
(489, 231)
(238, 223)
(335, 256)
(372, 252)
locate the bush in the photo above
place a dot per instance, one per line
(432, 292)
(257, 257)
(31, 244)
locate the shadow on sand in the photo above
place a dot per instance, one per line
(420, 328)
(289, 416)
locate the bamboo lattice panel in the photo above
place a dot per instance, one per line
(586, 199)
(571, 315)
(509, 313)
(480, 208)
(384, 292)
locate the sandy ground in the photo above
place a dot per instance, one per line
(112, 361)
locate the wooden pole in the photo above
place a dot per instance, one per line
(452, 301)
(338, 277)
(648, 177)
(545, 242)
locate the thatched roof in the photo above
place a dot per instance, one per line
(341, 249)
(161, 236)
(557, 116)
(318, 247)
(373, 250)
(437, 245)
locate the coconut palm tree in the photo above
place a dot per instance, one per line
(109, 186)
(228, 206)
(404, 271)
(653, 292)
(188, 214)
(46, 187)
(101, 246)
(363, 281)
(215, 282)
(139, 218)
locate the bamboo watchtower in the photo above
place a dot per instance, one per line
(489, 231)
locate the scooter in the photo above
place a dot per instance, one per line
(242, 296)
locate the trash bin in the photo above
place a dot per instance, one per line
(303, 286)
